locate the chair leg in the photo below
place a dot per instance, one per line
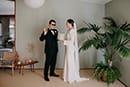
(12, 71)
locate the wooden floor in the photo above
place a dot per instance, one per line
(35, 79)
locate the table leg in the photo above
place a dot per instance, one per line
(19, 69)
(22, 70)
(33, 67)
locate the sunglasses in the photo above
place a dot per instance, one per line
(53, 24)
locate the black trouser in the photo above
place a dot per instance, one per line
(50, 62)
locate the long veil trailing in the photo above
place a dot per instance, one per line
(76, 55)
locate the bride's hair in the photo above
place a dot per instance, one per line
(71, 21)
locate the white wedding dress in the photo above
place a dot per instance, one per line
(71, 67)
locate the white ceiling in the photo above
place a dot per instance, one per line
(6, 7)
(97, 1)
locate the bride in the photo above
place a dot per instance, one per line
(71, 67)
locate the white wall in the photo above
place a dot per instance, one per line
(119, 10)
(30, 23)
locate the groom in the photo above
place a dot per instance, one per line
(51, 48)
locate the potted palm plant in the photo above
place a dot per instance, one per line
(114, 40)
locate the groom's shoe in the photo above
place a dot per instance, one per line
(46, 78)
(54, 75)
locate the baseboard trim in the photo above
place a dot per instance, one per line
(122, 83)
(61, 68)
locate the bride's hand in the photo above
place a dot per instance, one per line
(62, 41)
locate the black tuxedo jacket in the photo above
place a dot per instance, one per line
(51, 45)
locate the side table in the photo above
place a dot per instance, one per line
(21, 66)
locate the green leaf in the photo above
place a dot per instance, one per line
(127, 29)
(87, 44)
(124, 51)
(125, 26)
(83, 30)
(110, 21)
(94, 27)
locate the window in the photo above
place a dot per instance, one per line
(11, 29)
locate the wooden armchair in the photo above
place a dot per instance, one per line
(9, 59)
